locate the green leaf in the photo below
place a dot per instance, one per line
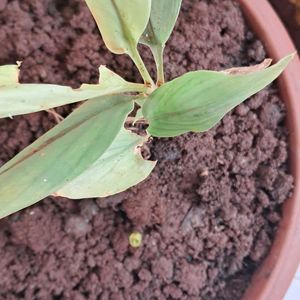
(164, 14)
(9, 75)
(199, 100)
(119, 168)
(63, 153)
(17, 99)
(121, 22)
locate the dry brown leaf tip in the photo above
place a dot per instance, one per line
(247, 70)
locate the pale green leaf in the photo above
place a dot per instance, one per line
(198, 100)
(119, 168)
(17, 99)
(9, 75)
(162, 21)
(121, 22)
(63, 153)
(139, 115)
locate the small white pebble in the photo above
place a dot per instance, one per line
(204, 173)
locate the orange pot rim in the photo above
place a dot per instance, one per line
(275, 275)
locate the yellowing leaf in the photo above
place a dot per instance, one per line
(17, 99)
(199, 100)
(121, 22)
(120, 167)
(63, 153)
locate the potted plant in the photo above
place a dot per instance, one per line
(99, 163)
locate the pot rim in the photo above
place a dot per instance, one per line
(276, 273)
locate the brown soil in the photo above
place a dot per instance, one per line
(287, 11)
(208, 212)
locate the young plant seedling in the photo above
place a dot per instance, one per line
(90, 153)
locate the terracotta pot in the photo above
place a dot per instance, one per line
(273, 278)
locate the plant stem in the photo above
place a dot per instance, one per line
(140, 88)
(158, 53)
(135, 56)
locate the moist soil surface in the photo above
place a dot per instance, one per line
(208, 212)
